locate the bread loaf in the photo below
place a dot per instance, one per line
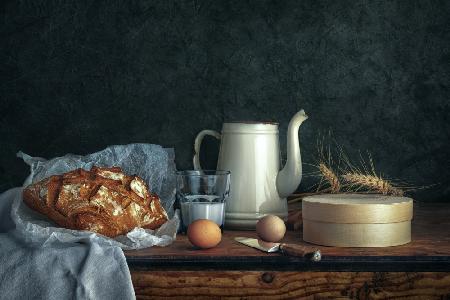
(102, 200)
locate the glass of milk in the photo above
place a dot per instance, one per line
(202, 195)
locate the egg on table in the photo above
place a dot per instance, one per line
(204, 233)
(271, 228)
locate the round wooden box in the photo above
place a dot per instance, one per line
(357, 220)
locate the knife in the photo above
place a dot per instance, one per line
(287, 249)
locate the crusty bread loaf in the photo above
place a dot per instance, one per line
(102, 200)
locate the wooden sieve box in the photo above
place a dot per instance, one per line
(357, 220)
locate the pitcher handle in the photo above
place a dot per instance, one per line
(197, 144)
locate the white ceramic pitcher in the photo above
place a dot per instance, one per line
(251, 152)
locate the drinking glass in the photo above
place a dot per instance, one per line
(202, 195)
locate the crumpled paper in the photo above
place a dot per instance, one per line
(151, 162)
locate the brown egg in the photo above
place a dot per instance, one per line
(204, 233)
(271, 228)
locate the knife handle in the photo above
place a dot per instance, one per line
(297, 250)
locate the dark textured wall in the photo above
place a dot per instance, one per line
(77, 76)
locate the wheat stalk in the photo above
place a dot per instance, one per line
(345, 177)
(331, 177)
(372, 182)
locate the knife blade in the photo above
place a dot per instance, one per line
(286, 249)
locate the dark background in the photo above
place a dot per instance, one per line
(77, 76)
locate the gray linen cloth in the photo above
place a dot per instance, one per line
(84, 270)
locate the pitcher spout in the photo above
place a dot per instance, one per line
(290, 176)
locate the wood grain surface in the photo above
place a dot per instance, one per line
(290, 285)
(429, 250)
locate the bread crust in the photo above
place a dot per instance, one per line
(102, 200)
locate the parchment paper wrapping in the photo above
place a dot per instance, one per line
(151, 162)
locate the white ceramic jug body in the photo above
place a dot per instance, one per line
(251, 152)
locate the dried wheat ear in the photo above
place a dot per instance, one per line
(373, 183)
(331, 177)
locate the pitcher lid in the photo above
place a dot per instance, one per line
(250, 127)
(254, 122)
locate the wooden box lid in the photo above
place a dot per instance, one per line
(357, 208)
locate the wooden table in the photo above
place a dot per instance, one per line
(419, 270)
